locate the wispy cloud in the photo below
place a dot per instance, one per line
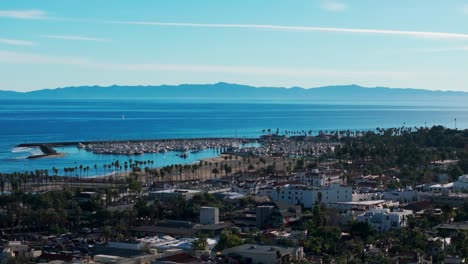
(448, 49)
(424, 34)
(79, 38)
(333, 6)
(23, 14)
(9, 57)
(16, 42)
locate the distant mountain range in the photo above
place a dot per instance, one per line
(352, 94)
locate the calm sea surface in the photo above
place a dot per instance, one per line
(23, 121)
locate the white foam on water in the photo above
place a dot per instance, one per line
(36, 151)
(21, 149)
(25, 152)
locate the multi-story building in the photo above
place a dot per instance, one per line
(320, 177)
(385, 219)
(307, 196)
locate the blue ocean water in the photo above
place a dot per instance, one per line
(26, 121)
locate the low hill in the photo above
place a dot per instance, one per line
(352, 94)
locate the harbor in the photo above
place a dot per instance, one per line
(100, 155)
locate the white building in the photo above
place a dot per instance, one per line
(402, 195)
(384, 219)
(438, 188)
(320, 178)
(209, 215)
(308, 196)
(366, 196)
(461, 184)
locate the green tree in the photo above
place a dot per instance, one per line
(228, 239)
(201, 243)
(361, 229)
(215, 171)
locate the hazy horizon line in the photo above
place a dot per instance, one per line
(230, 83)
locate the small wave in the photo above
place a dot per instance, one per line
(17, 158)
(36, 151)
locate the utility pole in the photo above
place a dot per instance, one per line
(455, 123)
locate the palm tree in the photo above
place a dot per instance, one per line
(55, 171)
(215, 171)
(81, 170)
(46, 176)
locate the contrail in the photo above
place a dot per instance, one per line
(425, 34)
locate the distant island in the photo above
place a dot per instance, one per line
(352, 94)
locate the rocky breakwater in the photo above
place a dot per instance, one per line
(47, 152)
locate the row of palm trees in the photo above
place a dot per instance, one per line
(50, 179)
(78, 176)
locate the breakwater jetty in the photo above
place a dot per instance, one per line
(47, 151)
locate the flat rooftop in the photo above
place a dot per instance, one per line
(371, 202)
(454, 226)
(176, 191)
(258, 249)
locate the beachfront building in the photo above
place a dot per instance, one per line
(257, 254)
(461, 184)
(307, 196)
(385, 219)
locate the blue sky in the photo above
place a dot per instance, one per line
(307, 43)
